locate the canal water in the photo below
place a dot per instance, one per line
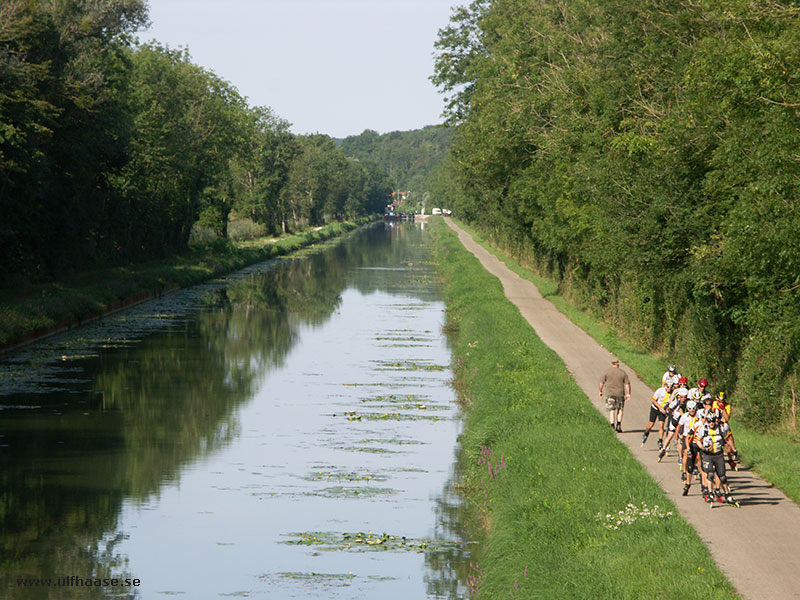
(285, 432)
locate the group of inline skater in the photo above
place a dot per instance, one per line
(697, 423)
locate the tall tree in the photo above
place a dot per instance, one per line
(262, 169)
(188, 127)
(63, 128)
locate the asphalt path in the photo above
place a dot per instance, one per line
(757, 546)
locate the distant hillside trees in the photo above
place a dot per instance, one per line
(410, 157)
(111, 152)
(646, 155)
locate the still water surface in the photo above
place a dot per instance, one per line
(285, 432)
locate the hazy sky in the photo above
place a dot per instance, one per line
(327, 66)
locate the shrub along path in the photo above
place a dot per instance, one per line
(758, 546)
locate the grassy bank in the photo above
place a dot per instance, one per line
(566, 511)
(38, 309)
(773, 456)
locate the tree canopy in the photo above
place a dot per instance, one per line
(110, 152)
(410, 158)
(646, 155)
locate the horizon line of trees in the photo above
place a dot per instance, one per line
(110, 152)
(411, 159)
(646, 155)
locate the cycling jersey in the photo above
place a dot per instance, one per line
(701, 412)
(676, 406)
(666, 376)
(661, 398)
(724, 409)
(675, 410)
(713, 438)
(687, 424)
(694, 394)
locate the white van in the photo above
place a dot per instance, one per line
(436, 211)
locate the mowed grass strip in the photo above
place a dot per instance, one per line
(563, 509)
(774, 456)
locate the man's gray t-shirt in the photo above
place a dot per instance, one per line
(614, 381)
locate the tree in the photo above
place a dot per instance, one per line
(64, 127)
(644, 154)
(189, 124)
(262, 168)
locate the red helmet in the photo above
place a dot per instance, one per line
(703, 382)
(682, 380)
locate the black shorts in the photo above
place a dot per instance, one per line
(656, 414)
(714, 464)
(691, 458)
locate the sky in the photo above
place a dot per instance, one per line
(327, 66)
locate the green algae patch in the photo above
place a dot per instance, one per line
(344, 476)
(329, 541)
(408, 365)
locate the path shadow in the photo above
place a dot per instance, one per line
(745, 501)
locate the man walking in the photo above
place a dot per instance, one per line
(617, 389)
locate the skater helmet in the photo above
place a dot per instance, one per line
(691, 405)
(703, 382)
(682, 380)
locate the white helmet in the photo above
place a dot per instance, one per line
(691, 405)
(683, 392)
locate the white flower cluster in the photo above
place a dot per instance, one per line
(631, 514)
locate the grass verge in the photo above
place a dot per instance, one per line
(567, 512)
(773, 456)
(38, 309)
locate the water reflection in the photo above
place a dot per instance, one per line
(120, 425)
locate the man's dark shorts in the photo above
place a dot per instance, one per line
(656, 414)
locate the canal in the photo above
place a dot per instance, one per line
(288, 431)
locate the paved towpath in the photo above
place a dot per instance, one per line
(757, 546)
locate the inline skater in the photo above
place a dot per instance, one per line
(694, 443)
(696, 393)
(670, 374)
(723, 406)
(683, 383)
(675, 410)
(658, 411)
(686, 427)
(707, 403)
(715, 438)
